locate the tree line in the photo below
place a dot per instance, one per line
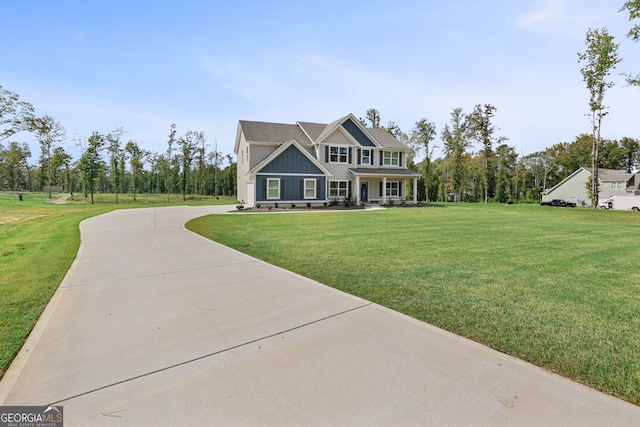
(108, 162)
(479, 165)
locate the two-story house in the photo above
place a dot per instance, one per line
(575, 187)
(317, 163)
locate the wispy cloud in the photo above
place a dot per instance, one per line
(563, 17)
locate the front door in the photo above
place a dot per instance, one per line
(364, 192)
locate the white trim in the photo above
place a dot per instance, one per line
(362, 150)
(389, 187)
(287, 174)
(346, 155)
(346, 188)
(315, 188)
(384, 152)
(268, 188)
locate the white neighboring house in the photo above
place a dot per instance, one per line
(611, 183)
(318, 163)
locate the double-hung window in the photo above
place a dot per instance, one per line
(273, 188)
(338, 154)
(309, 188)
(618, 185)
(391, 158)
(393, 188)
(365, 156)
(338, 188)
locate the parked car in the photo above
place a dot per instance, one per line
(559, 202)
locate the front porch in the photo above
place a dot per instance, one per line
(384, 185)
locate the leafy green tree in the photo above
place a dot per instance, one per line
(49, 132)
(61, 165)
(454, 137)
(136, 158)
(631, 148)
(633, 8)
(481, 129)
(15, 115)
(373, 117)
(423, 134)
(91, 161)
(188, 146)
(506, 162)
(13, 160)
(170, 143)
(116, 160)
(600, 57)
(568, 157)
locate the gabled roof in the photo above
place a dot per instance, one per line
(309, 133)
(385, 139)
(270, 132)
(605, 175)
(612, 174)
(577, 171)
(271, 157)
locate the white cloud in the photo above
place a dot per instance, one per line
(563, 17)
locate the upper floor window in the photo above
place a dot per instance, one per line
(365, 156)
(338, 154)
(391, 158)
(619, 185)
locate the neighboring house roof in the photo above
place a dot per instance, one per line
(605, 175)
(612, 174)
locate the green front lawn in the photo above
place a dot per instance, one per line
(558, 287)
(38, 242)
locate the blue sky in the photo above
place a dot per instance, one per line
(204, 65)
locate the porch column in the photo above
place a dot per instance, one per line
(415, 191)
(357, 190)
(384, 190)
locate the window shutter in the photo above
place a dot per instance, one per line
(281, 188)
(400, 159)
(381, 157)
(326, 154)
(264, 189)
(302, 188)
(372, 161)
(349, 159)
(381, 193)
(359, 155)
(349, 185)
(400, 188)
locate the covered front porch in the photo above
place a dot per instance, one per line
(384, 185)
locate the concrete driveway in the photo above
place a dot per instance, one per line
(154, 325)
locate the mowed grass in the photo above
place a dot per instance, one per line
(557, 287)
(38, 242)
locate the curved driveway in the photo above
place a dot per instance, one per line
(154, 325)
